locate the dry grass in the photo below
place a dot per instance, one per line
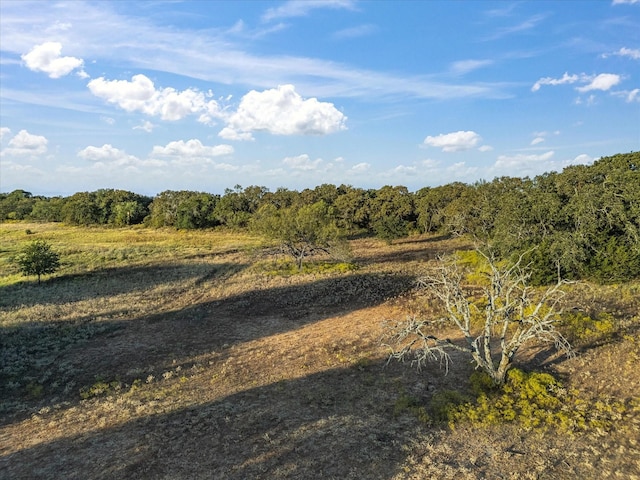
(173, 357)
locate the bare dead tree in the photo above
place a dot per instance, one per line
(508, 315)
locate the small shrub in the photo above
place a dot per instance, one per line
(99, 388)
(581, 326)
(34, 390)
(409, 404)
(444, 404)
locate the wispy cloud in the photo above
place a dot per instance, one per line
(523, 26)
(215, 55)
(301, 8)
(355, 32)
(465, 66)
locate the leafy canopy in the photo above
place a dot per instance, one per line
(37, 258)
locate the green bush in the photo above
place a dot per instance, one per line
(580, 326)
(534, 401)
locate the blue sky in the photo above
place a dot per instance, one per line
(157, 95)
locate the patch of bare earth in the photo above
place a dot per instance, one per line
(248, 376)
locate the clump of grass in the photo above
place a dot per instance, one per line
(406, 403)
(99, 388)
(288, 268)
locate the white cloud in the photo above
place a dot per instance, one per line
(296, 8)
(537, 140)
(141, 95)
(282, 111)
(634, 95)
(47, 58)
(621, 2)
(629, 96)
(107, 158)
(633, 53)
(361, 167)
(24, 143)
(466, 66)
(4, 131)
(302, 162)
(191, 149)
(455, 141)
(230, 134)
(355, 32)
(603, 82)
(522, 161)
(566, 78)
(105, 153)
(147, 126)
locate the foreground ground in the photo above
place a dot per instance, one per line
(170, 355)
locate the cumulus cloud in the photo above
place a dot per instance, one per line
(4, 131)
(191, 149)
(141, 95)
(603, 82)
(302, 162)
(105, 153)
(455, 141)
(24, 144)
(282, 111)
(48, 58)
(107, 157)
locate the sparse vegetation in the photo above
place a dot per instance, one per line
(190, 353)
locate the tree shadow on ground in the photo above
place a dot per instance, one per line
(334, 424)
(46, 363)
(109, 282)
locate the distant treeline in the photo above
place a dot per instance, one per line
(584, 222)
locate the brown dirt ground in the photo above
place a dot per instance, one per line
(283, 378)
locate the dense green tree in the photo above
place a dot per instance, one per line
(431, 205)
(236, 206)
(48, 209)
(38, 259)
(183, 209)
(352, 209)
(16, 205)
(81, 209)
(392, 212)
(302, 230)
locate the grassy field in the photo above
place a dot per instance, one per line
(163, 354)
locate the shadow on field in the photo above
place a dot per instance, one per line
(334, 424)
(109, 282)
(44, 363)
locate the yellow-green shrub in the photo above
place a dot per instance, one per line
(535, 401)
(580, 326)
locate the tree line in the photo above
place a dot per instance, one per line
(583, 222)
